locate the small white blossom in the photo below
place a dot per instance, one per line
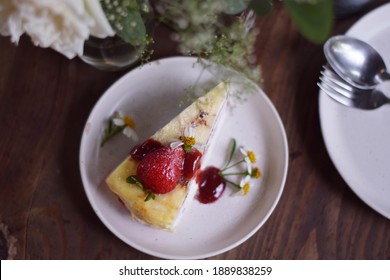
(248, 166)
(118, 121)
(249, 158)
(244, 187)
(129, 130)
(188, 135)
(244, 184)
(175, 143)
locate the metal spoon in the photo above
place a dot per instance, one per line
(356, 61)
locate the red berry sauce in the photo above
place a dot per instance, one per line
(211, 185)
(191, 164)
(141, 150)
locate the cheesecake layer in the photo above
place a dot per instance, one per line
(165, 210)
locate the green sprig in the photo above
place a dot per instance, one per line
(232, 150)
(314, 19)
(202, 30)
(132, 179)
(126, 19)
(110, 131)
(150, 196)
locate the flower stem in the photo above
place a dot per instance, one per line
(234, 173)
(232, 183)
(230, 166)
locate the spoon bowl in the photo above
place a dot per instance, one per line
(355, 61)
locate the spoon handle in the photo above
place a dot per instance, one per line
(383, 76)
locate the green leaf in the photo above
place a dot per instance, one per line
(125, 18)
(233, 149)
(233, 7)
(187, 148)
(261, 7)
(314, 20)
(132, 179)
(134, 30)
(110, 132)
(150, 196)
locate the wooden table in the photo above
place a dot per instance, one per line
(45, 100)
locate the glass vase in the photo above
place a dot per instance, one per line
(113, 53)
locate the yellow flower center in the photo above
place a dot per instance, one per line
(187, 140)
(245, 188)
(256, 173)
(129, 122)
(251, 156)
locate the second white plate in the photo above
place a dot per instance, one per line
(358, 140)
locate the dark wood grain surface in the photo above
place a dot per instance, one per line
(45, 100)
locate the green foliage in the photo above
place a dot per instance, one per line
(134, 31)
(261, 7)
(125, 18)
(110, 131)
(132, 179)
(314, 19)
(222, 31)
(233, 7)
(204, 28)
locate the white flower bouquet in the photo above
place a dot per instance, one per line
(65, 25)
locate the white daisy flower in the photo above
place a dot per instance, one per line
(129, 124)
(188, 140)
(244, 185)
(250, 159)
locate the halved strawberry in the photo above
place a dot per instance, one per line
(160, 170)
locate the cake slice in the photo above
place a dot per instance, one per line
(157, 180)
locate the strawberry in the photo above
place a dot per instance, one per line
(160, 170)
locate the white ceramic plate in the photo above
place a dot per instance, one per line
(358, 141)
(151, 96)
